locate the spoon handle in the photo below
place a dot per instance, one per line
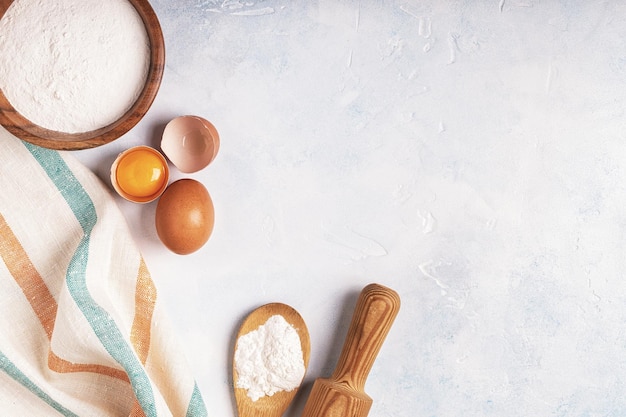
(375, 311)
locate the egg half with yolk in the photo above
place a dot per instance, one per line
(140, 174)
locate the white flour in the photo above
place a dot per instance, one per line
(269, 359)
(72, 65)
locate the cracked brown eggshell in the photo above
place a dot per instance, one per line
(190, 143)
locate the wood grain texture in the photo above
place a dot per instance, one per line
(24, 129)
(4, 5)
(277, 404)
(343, 393)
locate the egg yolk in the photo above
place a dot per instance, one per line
(140, 173)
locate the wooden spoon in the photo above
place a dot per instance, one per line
(277, 404)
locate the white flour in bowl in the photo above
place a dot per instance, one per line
(269, 359)
(72, 65)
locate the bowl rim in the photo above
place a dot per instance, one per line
(26, 130)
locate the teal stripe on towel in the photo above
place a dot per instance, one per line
(197, 408)
(69, 186)
(99, 319)
(14, 372)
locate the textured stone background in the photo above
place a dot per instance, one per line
(469, 154)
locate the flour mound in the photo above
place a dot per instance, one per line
(72, 65)
(269, 359)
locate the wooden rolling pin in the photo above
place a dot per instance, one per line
(343, 395)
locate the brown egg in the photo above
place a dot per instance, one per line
(184, 216)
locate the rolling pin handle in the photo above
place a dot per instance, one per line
(375, 311)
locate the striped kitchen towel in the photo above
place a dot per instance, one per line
(82, 332)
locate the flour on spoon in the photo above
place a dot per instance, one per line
(269, 359)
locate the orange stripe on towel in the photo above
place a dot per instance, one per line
(60, 365)
(145, 299)
(136, 411)
(24, 273)
(41, 301)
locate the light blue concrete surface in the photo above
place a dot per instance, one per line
(469, 154)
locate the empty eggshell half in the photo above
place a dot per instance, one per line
(190, 143)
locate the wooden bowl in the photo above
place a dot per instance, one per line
(24, 129)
